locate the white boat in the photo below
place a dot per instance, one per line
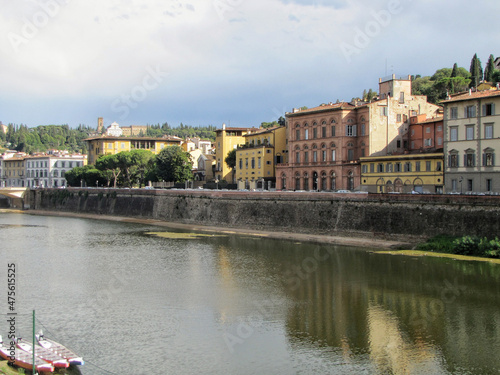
(59, 349)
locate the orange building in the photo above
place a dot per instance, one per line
(426, 135)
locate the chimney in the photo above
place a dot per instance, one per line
(223, 126)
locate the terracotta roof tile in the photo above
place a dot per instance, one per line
(473, 95)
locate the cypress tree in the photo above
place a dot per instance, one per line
(490, 68)
(476, 71)
(454, 71)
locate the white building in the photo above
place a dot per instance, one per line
(114, 130)
(48, 170)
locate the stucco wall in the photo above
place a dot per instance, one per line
(390, 216)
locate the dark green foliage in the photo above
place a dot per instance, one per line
(183, 131)
(46, 137)
(490, 68)
(466, 245)
(174, 164)
(231, 159)
(444, 81)
(476, 71)
(87, 175)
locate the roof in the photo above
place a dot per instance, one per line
(113, 138)
(262, 131)
(472, 95)
(228, 129)
(429, 120)
(322, 107)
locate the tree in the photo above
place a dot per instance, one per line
(454, 71)
(88, 174)
(476, 71)
(230, 161)
(111, 164)
(490, 68)
(174, 164)
(142, 160)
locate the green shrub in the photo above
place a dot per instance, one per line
(467, 245)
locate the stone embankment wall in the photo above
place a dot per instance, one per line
(390, 216)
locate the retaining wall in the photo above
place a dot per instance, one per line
(383, 215)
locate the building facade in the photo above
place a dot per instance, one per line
(98, 146)
(426, 135)
(13, 171)
(472, 138)
(326, 143)
(418, 173)
(227, 139)
(257, 158)
(49, 170)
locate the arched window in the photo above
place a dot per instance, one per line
(350, 151)
(333, 185)
(350, 180)
(297, 181)
(283, 181)
(306, 181)
(323, 181)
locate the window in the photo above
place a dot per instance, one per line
(383, 111)
(412, 144)
(297, 135)
(350, 154)
(315, 133)
(306, 134)
(388, 168)
(427, 166)
(323, 155)
(297, 157)
(333, 130)
(488, 131)
(439, 141)
(333, 155)
(398, 143)
(470, 111)
(315, 156)
(306, 156)
(453, 160)
(372, 167)
(380, 168)
(363, 129)
(323, 132)
(454, 112)
(398, 167)
(241, 164)
(399, 117)
(488, 158)
(253, 163)
(428, 142)
(364, 168)
(259, 162)
(350, 130)
(454, 185)
(407, 167)
(489, 109)
(417, 166)
(428, 130)
(401, 97)
(438, 166)
(453, 133)
(469, 184)
(489, 184)
(246, 164)
(469, 132)
(470, 159)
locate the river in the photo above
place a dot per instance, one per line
(139, 299)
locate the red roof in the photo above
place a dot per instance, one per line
(473, 95)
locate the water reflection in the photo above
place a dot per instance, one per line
(233, 304)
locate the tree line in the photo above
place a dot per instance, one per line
(134, 168)
(448, 81)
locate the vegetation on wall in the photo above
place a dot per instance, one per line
(466, 245)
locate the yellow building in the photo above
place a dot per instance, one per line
(13, 171)
(256, 159)
(98, 146)
(227, 139)
(420, 173)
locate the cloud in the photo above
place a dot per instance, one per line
(221, 54)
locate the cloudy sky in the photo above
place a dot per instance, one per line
(208, 62)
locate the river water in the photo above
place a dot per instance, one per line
(138, 299)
